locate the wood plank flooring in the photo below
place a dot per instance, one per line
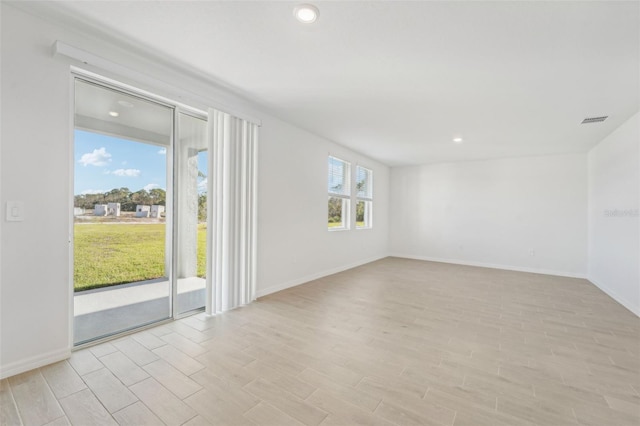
(394, 342)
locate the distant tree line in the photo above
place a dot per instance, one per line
(127, 199)
(335, 205)
(202, 207)
(335, 210)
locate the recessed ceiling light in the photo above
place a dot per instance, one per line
(306, 13)
(126, 104)
(457, 140)
(114, 113)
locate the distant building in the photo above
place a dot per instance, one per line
(156, 211)
(78, 211)
(142, 211)
(100, 210)
(113, 209)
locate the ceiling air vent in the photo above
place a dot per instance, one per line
(594, 119)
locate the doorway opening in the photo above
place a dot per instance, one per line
(135, 159)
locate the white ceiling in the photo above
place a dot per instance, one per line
(398, 80)
(137, 119)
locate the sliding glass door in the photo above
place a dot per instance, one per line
(191, 213)
(122, 245)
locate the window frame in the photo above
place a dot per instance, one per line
(345, 194)
(367, 198)
(155, 97)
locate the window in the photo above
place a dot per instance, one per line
(364, 198)
(339, 188)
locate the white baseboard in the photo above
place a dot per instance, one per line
(307, 278)
(615, 296)
(33, 362)
(492, 266)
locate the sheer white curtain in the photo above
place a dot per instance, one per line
(231, 217)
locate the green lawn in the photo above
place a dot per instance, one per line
(109, 254)
(337, 224)
(202, 250)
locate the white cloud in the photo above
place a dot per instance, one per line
(127, 172)
(99, 157)
(202, 185)
(163, 151)
(151, 186)
(92, 191)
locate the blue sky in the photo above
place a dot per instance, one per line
(103, 163)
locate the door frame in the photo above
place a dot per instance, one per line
(171, 230)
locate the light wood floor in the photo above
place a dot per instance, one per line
(396, 341)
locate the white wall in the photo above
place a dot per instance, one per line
(295, 245)
(34, 298)
(494, 213)
(614, 223)
(35, 167)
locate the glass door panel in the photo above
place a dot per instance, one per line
(191, 213)
(122, 205)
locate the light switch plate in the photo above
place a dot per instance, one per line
(15, 211)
